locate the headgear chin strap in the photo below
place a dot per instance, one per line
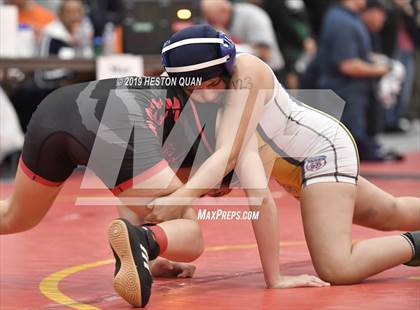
(226, 51)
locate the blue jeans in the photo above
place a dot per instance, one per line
(399, 110)
(355, 119)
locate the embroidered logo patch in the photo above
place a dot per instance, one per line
(316, 163)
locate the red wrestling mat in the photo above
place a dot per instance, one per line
(66, 262)
(410, 166)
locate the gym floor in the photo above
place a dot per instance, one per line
(65, 262)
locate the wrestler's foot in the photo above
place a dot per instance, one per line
(131, 248)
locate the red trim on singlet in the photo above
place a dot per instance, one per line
(140, 178)
(33, 176)
(200, 129)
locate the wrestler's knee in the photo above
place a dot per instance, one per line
(336, 272)
(197, 243)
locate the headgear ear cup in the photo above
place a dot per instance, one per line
(165, 58)
(227, 48)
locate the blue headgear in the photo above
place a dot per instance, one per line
(198, 51)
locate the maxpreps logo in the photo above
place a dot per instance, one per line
(316, 163)
(224, 215)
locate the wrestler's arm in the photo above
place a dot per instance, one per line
(239, 118)
(250, 171)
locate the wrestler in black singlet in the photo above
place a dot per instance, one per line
(108, 124)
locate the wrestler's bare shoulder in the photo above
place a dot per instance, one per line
(247, 65)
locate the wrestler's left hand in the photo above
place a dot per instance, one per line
(165, 209)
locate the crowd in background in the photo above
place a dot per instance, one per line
(366, 51)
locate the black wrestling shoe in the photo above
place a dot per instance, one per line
(131, 247)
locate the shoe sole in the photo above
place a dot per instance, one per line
(127, 281)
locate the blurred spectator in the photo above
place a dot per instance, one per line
(67, 37)
(101, 13)
(414, 112)
(346, 67)
(51, 5)
(32, 14)
(316, 11)
(294, 35)
(250, 25)
(415, 101)
(401, 36)
(104, 11)
(383, 92)
(374, 17)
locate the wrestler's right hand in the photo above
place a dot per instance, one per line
(304, 280)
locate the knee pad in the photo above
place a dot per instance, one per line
(414, 239)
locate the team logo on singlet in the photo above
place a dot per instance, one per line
(316, 163)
